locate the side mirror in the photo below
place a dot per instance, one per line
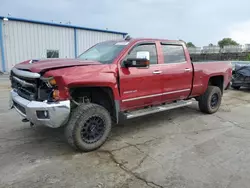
(141, 60)
(136, 62)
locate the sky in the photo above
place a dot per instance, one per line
(199, 21)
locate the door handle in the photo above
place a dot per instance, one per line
(187, 70)
(157, 72)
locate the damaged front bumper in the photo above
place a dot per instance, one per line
(53, 115)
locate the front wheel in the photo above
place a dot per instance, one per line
(210, 101)
(88, 127)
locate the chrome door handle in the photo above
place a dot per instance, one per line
(187, 70)
(157, 72)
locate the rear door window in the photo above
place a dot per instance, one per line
(173, 53)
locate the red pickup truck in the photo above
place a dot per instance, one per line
(111, 82)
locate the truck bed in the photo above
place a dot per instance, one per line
(205, 69)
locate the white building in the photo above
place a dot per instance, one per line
(22, 39)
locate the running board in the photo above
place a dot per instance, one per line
(155, 109)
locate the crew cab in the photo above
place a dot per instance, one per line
(111, 82)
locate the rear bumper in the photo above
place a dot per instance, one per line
(53, 115)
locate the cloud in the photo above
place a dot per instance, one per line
(240, 32)
(201, 22)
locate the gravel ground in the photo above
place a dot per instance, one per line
(175, 149)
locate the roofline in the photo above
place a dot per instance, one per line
(62, 25)
(157, 39)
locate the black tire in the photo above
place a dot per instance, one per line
(81, 121)
(207, 103)
(236, 87)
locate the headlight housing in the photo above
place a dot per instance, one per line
(50, 81)
(55, 88)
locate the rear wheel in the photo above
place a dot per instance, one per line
(210, 101)
(88, 127)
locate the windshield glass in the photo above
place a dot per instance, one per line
(104, 52)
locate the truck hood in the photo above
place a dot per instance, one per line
(49, 64)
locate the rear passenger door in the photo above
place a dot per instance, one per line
(177, 72)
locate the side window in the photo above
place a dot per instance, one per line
(151, 48)
(173, 53)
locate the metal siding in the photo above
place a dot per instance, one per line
(23, 41)
(1, 67)
(87, 39)
(61, 25)
(1, 63)
(26, 40)
(75, 42)
(2, 58)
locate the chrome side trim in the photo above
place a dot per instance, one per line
(177, 91)
(156, 95)
(143, 97)
(23, 83)
(26, 74)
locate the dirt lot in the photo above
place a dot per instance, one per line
(176, 149)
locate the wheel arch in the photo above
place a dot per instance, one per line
(101, 95)
(217, 80)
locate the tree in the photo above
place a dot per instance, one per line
(248, 57)
(226, 42)
(190, 44)
(210, 44)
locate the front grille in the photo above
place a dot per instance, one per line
(19, 107)
(29, 86)
(25, 87)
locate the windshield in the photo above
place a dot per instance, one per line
(104, 52)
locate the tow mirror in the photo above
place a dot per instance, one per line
(141, 60)
(136, 62)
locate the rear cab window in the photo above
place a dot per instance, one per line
(173, 53)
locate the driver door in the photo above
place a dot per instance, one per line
(141, 87)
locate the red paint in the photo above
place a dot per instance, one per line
(133, 82)
(46, 64)
(203, 71)
(175, 78)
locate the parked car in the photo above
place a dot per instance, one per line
(241, 75)
(233, 63)
(111, 82)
